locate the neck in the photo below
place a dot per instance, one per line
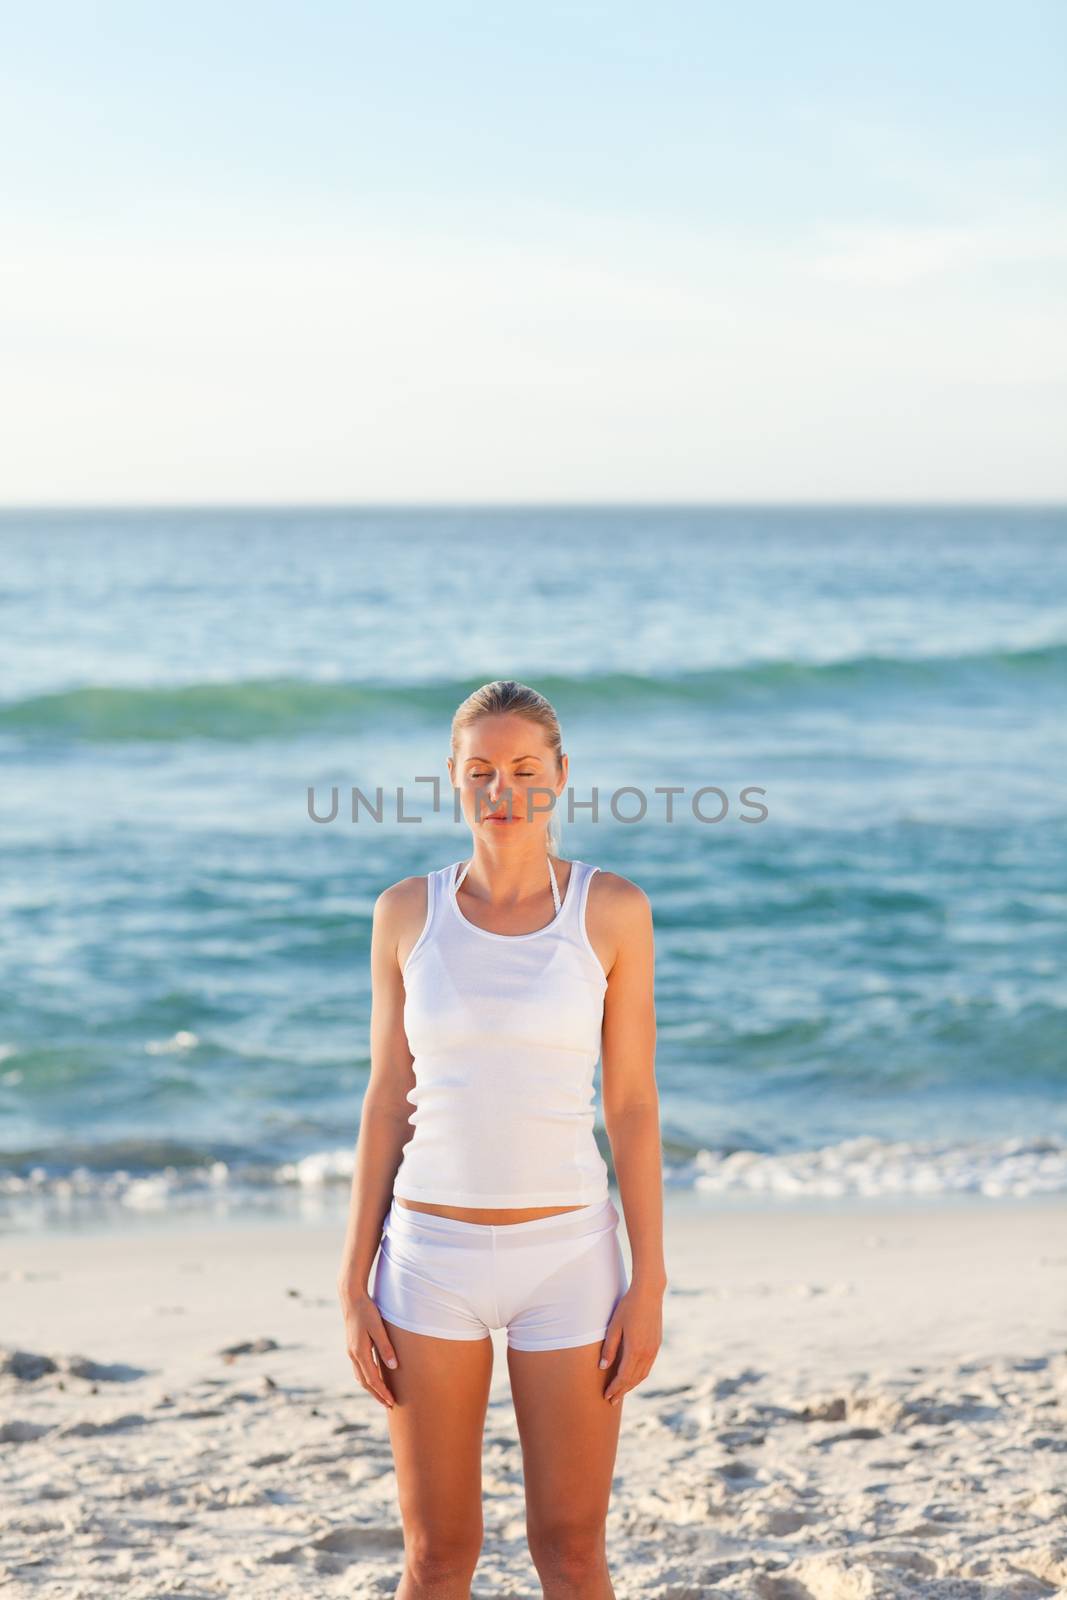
(506, 876)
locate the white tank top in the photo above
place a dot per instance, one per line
(505, 1034)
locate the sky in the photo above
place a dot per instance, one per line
(428, 252)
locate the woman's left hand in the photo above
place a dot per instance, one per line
(637, 1325)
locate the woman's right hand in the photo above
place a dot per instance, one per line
(364, 1334)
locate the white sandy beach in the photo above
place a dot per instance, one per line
(847, 1404)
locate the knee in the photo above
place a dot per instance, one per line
(440, 1557)
(563, 1550)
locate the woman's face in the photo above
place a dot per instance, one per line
(501, 753)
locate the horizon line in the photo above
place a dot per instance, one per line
(887, 504)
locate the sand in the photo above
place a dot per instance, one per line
(847, 1404)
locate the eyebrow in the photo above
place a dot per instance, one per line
(514, 759)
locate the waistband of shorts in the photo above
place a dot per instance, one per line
(600, 1216)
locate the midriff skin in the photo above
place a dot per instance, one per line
(490, 1218)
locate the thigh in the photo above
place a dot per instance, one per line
(441, 1388)
(569, 1435)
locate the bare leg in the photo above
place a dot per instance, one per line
(569, 1436)
(441, 1387)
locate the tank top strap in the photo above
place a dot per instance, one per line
(435, 896)
(569, 906)
(572, 913)
(454, 875)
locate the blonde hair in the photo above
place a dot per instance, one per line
(505, 695)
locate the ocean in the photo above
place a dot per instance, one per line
(829, 743)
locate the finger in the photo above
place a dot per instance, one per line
(618, 1384)
(374, 1368)
(617, 1394)
(624, 1379)
(373, 1383)
(625, 1361)
(633, 1372)
(383, 1343)
(376, 1387)
(610, 1348)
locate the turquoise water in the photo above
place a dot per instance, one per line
(864, 993)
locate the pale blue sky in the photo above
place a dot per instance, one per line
(542, 252)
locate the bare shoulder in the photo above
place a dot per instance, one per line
(401, 897)
(618, 897)
(618, 921)
(399, 914)
(618, 914)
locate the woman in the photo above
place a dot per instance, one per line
(495, 986)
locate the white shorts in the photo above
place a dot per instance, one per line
(552, 1282)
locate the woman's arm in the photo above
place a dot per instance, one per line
(384, 1129)
(628, 1079)
(631, 1118)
